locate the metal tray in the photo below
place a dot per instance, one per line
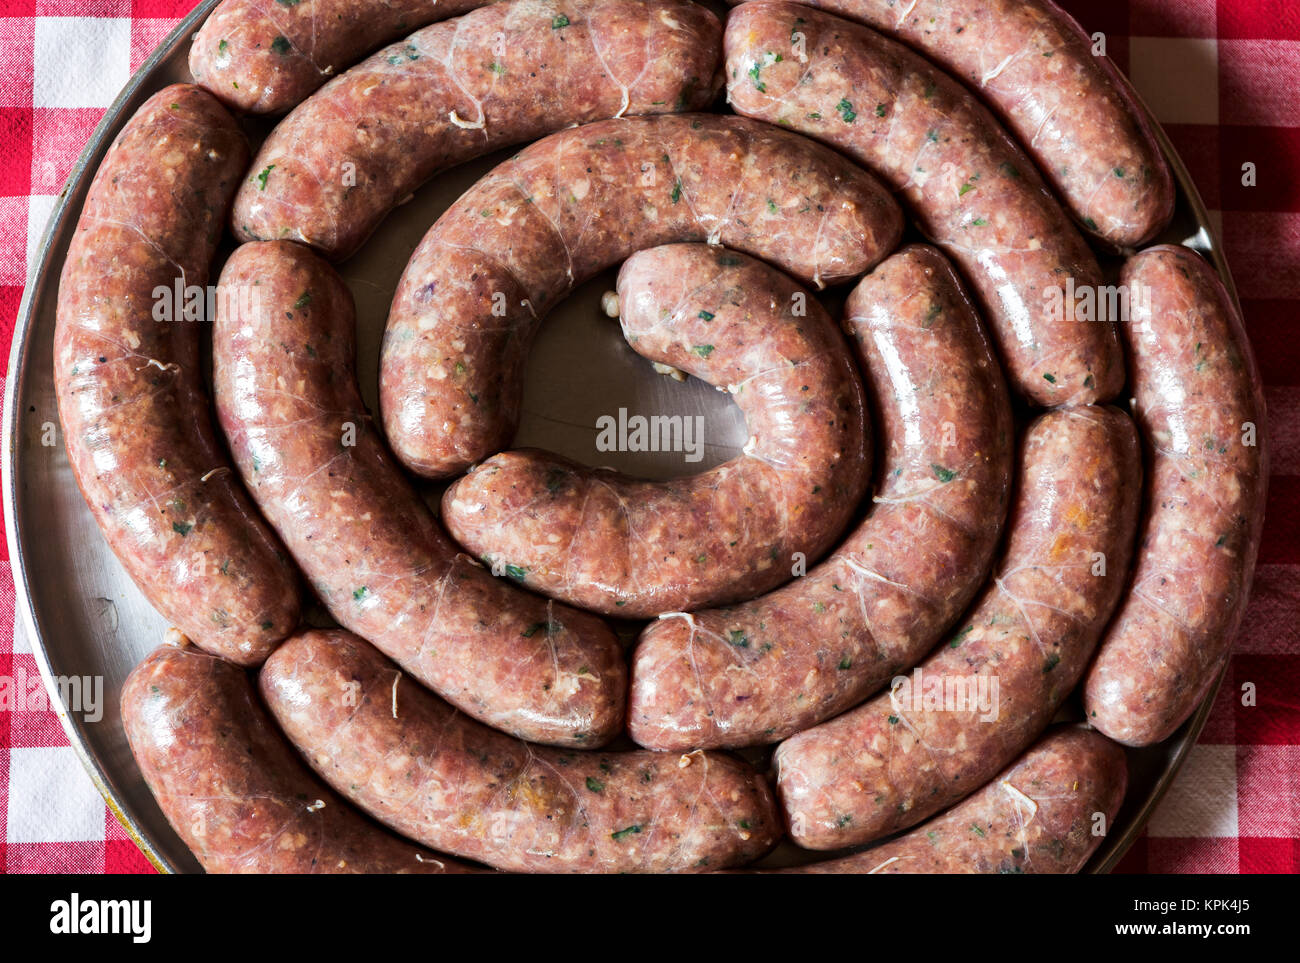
(83, 614)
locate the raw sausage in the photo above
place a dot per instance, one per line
(1047, 813)
(764, 670)
(972, 189)
(573, 204)
(415, 763)
(283, 358)
(233, 788)
(135, 413)
(265, 57)
(985, 694)
(634, 548)
(1199, 404)
(508, 73)
(1069, 106)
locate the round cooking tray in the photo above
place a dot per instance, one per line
(85, 617)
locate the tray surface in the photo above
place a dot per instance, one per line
(85, 617)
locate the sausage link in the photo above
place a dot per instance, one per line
(1038, 816)
(983, 696)
(415, 763)
(973, 190)
(283, 358)
(573, 204)
(1071, 108)
(508, 73)
(635, 548)
(761, 671)
(234, 789)
(1199, 404)
(135, 413)
(265, 57)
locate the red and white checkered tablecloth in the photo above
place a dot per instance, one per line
(1223, 76)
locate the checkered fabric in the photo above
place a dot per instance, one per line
(1224, 79)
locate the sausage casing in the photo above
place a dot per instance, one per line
(234, 789)
(985, 694)
(264, 58)
(1045, 814)
(763, 670)
(415, 763)
(1200, 408)
(1053, 87)
(505, 74)
(283, 358)
(135, 413)
(635, 548)
(973, 191)
(573, 204)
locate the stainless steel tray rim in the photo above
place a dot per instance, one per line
(62, 220)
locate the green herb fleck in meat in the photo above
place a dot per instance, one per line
(560, 22)
(621, 834)
(595, 785)
(847, 114)
(738, 638)
(707, 315)
(281, 45)
(260, 179)
(944, 475)
(703, 350)
(769, 58)
(304, 299)
(182, 528)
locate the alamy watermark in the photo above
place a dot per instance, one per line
(192, 302)
(684, 433)
(927, 692)
(82, 694)
(1096, 302)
